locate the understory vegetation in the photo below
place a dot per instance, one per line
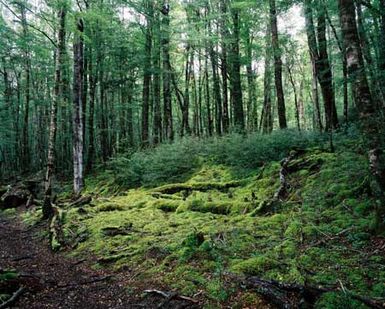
(190, 217)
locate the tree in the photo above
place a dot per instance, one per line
(277, 65)
(167, 106)
(78, 80)
(57, 97)
(235, 74)
(147, 74)
(320, 59)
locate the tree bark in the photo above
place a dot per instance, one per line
(157, 126)
(167, 102)
(147, 75)
(236, 85)
(78, 138)
(371, 126)
(59, 64)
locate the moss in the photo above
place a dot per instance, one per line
(254, 266)
(335, 300)
(185, 238)
(167, 205)
(221, 208)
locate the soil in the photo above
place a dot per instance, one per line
(54, 280)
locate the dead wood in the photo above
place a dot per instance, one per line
(13, 298)
(288, 296)
(91, 281)
(170, 296)
(83, 200)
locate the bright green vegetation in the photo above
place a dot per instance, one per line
(189, 234)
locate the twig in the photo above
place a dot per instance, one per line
(170, 296)
(13, 299)
(85, 282)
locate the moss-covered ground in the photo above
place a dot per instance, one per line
(188, 236)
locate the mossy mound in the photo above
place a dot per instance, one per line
(188, 235)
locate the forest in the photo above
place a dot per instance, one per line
(192, 154)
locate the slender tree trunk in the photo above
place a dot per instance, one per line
(167, 102)
(381, 47)
(216, 90)
(186, 97)
(375, 86)
(147, 75)
(77, 124)
(224, 37)
(277, 66)
(27, 91)
(315, 97)
(207, 97)
(236, 85)
(59, 63)
(325, 73)
(266, 125)
(252, 113)
(91, 114)
(157, 126)
(292, 82)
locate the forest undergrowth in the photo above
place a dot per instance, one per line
(192, 216)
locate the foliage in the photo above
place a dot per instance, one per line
(176, 162)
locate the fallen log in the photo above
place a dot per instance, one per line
(289, 296)
(83, 200)
(199, 186)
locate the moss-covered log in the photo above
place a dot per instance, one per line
(199, 186)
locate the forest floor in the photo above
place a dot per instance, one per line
(57, 281)
(201, 238)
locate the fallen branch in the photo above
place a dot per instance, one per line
(99, 279)
(13, 298)
(170, 296)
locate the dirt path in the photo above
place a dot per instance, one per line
(56, 281)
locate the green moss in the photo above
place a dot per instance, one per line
(335, 300)
(185, 235)
(255, 266)
(167, 205)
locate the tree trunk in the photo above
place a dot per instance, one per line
(325, 74)
(236, 85)
(319, 56)
(371, 126)
(60, 55)
(27, 68)
(252, 113)
(381, 47)
(157, 126)
(292, 82)
(266, 125)
(147, 75)
(277, 66)
(167, 102)
(91, 113)
(367, 55)
(78, 138)
(224, 37)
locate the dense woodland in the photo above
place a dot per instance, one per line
(201, 100)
